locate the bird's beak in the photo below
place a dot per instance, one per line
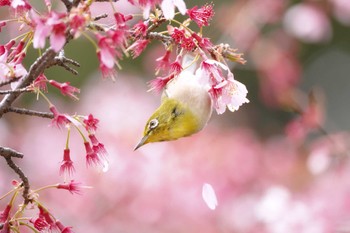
(142, 142)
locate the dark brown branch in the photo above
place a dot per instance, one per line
(28, 112)
(8, 154)
(9, 81)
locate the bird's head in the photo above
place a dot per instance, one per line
(172, 120)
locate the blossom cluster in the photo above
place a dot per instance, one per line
(51, 29)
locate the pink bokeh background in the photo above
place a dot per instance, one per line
(266, 178)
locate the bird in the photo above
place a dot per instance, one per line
(185, 109)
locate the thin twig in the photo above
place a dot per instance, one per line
(62, 61)
(22, 176)
(161, 37)
(97, 18)
(155, 25)
(4, 83)
(4, 92)
(29, 112)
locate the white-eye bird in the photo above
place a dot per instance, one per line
(185, 108)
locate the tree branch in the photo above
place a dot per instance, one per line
(35, 70)
(4, 92)
(28, 112)
(8, 154)
(62, 61)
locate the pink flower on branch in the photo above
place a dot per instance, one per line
(159, 83)
(40, 224)
(66, 89)
(137, 47)
(51, 25)
(139, 29)
(163, 61)
(60, 120)
(10, 61)
(40, 83)
(202, 15)
(45, 219)
(63, 228)
(4, 215)
(105, 70)
(92, 157)
(98, 148)
(73, 187)
(90, 123)
(67, 166)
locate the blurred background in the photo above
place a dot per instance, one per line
(279, 164)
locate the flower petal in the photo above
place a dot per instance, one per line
(209, 196)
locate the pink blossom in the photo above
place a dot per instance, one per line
(58, 37)
(65, 88)
(5, 3)
(177, 34)
(176, 67)
(91, 156)
(137, 47)
(140, 29)
(51, 25)
(159, 83)
(106, 71)
(46, 219)
(224, 89)
(168, 8)
(60, 120)
(40, 82)
(10, 61)
(41, 30)
(202, 42)
(107, 51)
(202, 15)
(98, 148)
(90, 123)
(20, 6)
(63, 228)
(67, 166)
(4, 215)
(121, 20)
(40, 224)
(163, 61)
(73, 187)
(188, 44)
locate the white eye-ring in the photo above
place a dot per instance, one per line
(153, 123)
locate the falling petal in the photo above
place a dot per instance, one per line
(209, 196)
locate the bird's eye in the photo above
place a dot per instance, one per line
(153, 123)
